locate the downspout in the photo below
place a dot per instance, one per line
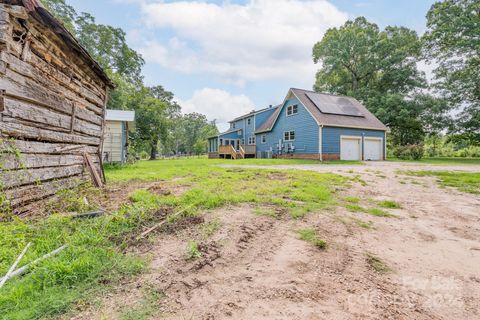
(320, 137)
(123, 142)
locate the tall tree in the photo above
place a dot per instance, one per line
(453, 41)
(380, 69)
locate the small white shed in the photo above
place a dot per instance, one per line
(115, 144)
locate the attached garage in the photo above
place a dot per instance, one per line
(350, 148)
(373, 149)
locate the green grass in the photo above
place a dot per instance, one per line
(463, 181)
(377, 212)
(145, 307)
(389, 204)
(352, 199)
(267, 212)
(193, 252)
(443, 161)
(310, 235)
(96, 258)
(210, 228)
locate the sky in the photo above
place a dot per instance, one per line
(224, 58)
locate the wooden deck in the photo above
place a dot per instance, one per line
(245, 151)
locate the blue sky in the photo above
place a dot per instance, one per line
(225, 58)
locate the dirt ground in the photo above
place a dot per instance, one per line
(255, 267)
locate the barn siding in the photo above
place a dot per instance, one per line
(331, 137)
(53, 111)
(305, 127)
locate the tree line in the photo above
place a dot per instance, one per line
(161, 126)
(381, 69)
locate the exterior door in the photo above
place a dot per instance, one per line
(372, 149)
(350, 148)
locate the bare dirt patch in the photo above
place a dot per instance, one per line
(420, 264)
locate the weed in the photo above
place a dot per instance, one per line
(210, 228)
(146, 307)
(310, 235)
(352, 199)
(355, 208)
(363, 224)
(379, 212)
(389, 204)
(377, 264)
(193, 252)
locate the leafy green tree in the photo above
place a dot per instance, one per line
(379, 68)
(452, 40)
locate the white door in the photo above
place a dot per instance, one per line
(350, 148)
(372, 149)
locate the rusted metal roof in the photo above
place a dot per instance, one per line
(42, 15)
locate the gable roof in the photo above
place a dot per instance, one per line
(268, 124)
(251, 113)
(36, 10)
(366, 121)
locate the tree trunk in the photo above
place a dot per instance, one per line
(153, 150)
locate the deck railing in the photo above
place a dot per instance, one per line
(249, 148)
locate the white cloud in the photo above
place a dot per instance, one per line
(263, 39)
(217, 105)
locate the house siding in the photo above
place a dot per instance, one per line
(331, 138)
(261, 117)
(305, 127)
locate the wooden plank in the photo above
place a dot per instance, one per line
(20, 130)
(20, 87)
(28, 147)
(18, 178)
(97, 180)
(32, 161)
(44, 73)
(28, 194)
(30, 112)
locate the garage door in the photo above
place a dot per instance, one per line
(350, 148)
(372, 149)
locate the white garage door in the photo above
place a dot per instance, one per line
(350, 148)
(372, 149)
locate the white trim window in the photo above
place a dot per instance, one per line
(263, 139)
(292, 110)
(251, 140)
(233, 125)
(249, 121)
(289, 136)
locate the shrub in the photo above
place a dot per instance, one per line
(409, 152)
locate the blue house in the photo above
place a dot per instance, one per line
(307, 125)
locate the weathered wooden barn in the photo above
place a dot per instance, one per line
(52, 107)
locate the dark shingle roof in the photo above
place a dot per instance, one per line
(268, 124)
(367, 121)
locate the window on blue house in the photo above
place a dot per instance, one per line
(249, 121)
(264, 138)
(233, 125)
(289, 136)
(291, 110)
(251, 140)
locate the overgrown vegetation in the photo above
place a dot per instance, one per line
(463, 181)
(310, 235)
(193, 252)
(96, 257)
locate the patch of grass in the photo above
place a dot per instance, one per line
(94, 259)
(210, 228)
(145, 308)
(352, 199)
(464, 181)
(193, 252)
(355, 208)
(377, 212)
(310, 235)
(389, 204)
(443, 161)
(363, 224)
(267, 212)
(377, 264)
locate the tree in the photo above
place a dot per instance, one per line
(452, 40)
(379, 68)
